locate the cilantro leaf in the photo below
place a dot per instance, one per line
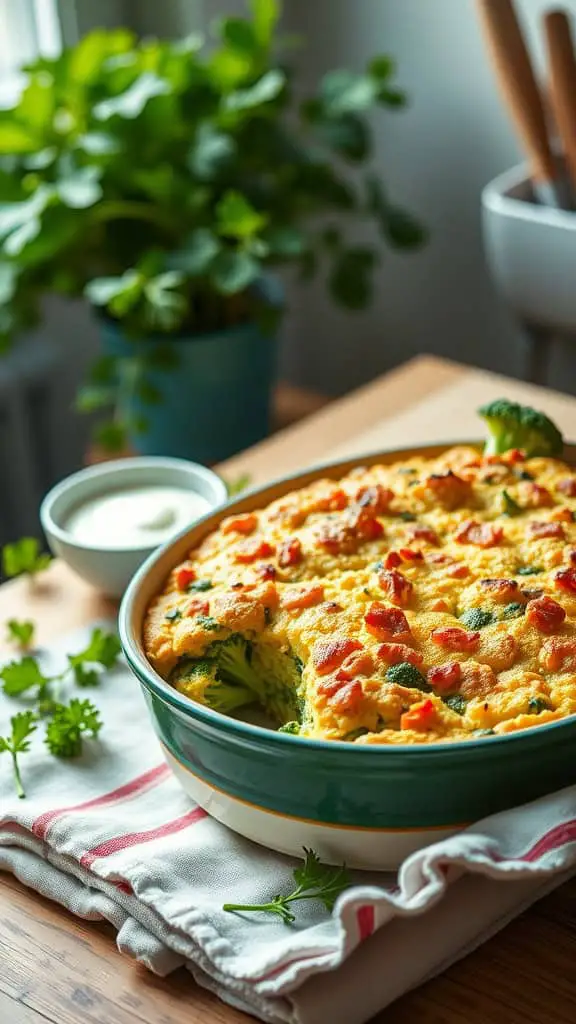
(239, 484)
(314, 881)
(69, 723)
(18, 742)
(24, 556)
(22, 632)
(103, 649)
(21, 676)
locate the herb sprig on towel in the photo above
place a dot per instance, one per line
(314, 881)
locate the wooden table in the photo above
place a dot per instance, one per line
(55, 968)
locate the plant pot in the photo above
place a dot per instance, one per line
(214, 402)
(531, 252)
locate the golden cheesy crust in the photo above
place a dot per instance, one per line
(423, 601)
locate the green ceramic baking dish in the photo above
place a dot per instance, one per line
(368, 806)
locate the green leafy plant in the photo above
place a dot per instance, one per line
(69, 724)
(163, 179)
(314, 881)
(24, 555)
(18, 742)
(21, 632)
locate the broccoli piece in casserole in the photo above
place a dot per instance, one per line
(476, 618)
(292, 728)
(406, 674)
(518, 426)
(200, 680)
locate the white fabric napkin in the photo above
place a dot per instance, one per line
(112, 836)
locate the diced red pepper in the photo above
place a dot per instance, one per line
(411, 555)
(452, 638)
(359, 663)
(420, 716)
(445, 678)
(245, 524)
(424, 533)
(449, 489)
(482, 535)
(387, 623)
(572, 556)
(538, 530)
(559, 654)
(334, 501)
(392, 560)
(534, 495)
(567, 486)
(393, 654)
(290, 552)
(197, 606)
(501, 589)
(375, 497)
(396, 587)
(458, 571)
(185, 575)
(302, 597)
(348, 698)
(266, 571)
(565, 580)
(562, 514)
(545, 614)
(370, 528)
(332, 606)
(252, 550)
(328, 655)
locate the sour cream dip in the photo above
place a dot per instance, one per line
(134, 517)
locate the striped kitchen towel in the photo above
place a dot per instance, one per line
(112, 836)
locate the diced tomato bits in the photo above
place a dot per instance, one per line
(510, 458)
(545, 614)
(562, 514)
(185, 575)
(332, 606)
(333, 501)
(420, 716)
(197, 606)
(565, 580)
(559, 654)
(458, 571)
(538, 530)
(348, 698)
(534, 495)
(411, 555)
(328, 655)
(290, 552)
(328, 687)
(439, 605)
(396, 587)
(387, 623)
(452, 638)
(424, 533)
(375, 497)
(245, 524)
(252, 550)
(567, 486)
(370, 528)
(393, 654)
(391, 560)
(482, 535)
(359, 663)
(302, 597)
(445, 678)
(449, 489)
(266, 571)
(572, 556)
(501, 589)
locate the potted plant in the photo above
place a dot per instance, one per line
(169, 183)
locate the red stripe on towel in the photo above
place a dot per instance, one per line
(365, 918)
(136, 838)
(146, 781)
(558, 836)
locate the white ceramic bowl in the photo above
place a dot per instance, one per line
(111, 569)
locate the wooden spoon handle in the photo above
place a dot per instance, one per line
(518, 84)
(562, 64)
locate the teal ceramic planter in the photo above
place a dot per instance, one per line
(369, 806)
(215, 402)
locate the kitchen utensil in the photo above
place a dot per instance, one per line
(562, 66)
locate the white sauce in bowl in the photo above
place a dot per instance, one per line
(134, 517)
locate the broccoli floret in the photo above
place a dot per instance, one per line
(193, 670)
(406, 674)
(476, 618)
(233, 658)
(509, 506)
(456, 702)
(536, 705)
(518, 426)
(514, 610)
(292, 728)
(227, 697)
(200, 679)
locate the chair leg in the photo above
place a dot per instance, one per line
(537, 354)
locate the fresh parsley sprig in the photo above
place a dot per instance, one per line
(68, 725)
(21, 632)
(24, 676)
(314, 881)
(18, 742)
(24, 556)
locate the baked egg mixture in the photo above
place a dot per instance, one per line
(427, 601)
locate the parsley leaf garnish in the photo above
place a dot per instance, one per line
(24, 556)
(21, 676)
(314, 881)
(103, 649)
(240, 483)
(22, 632)
(69, 723)
(18, 742)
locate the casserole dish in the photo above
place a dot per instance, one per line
(369, 805)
